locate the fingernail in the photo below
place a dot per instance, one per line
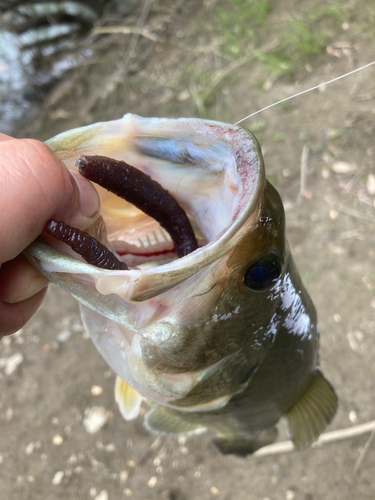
(89, 198)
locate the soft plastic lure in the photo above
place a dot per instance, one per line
(137, 188)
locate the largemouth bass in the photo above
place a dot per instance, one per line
(224, 339)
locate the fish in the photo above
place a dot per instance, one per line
(223, 340)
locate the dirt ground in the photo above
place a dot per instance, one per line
(57, 376)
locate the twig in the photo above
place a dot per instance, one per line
(351, 212)
(125, 30)
(327, 437)
(363, 452)
(349, 185)
(304, 168)
(113, 79)
(197, 100)
(219, 76)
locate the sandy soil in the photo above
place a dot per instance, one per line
(45, 450)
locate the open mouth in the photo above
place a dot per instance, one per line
(139, 189)
(213, 170)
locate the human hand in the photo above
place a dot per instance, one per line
(34, 188)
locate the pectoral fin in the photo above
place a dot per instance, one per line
(244, 445)
(166, 422)
(129, 401)
(311, 414)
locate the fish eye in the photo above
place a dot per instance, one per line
(263, 273)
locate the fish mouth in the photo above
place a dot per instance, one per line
(215, 172)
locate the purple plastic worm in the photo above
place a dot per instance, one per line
(146, 194)
(89, 248)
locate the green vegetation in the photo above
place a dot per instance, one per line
(279, 137)
(257, 126)
(246, 32)
(244, 28)
(334, 134)
(239, 19)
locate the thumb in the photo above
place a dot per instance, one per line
(36, 187)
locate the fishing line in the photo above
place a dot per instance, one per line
(307, 90)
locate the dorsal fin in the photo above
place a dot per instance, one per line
(129, 401)
(311, 414)
(165, 422)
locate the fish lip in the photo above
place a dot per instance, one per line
(147, 283)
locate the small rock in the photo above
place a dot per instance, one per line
(57, 440)
(183, 96)
(63, 336)
(92, 492)
(337, 317)
(58, 477)
(103, 495)
(152, 482)
(72, 459)
(31, 447)
(106, 447)
(77, 327)
(355, 342)
(371, 184)
(182, 440)
(343, 167)
(215, 491)
(12, 363)
(290, 495)
(333, 214)
(353, 416)
(335, 249)
(131, 464)
(128, 492)
(95, 418)
(123, 476)
(96, 390)
(9, 414)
